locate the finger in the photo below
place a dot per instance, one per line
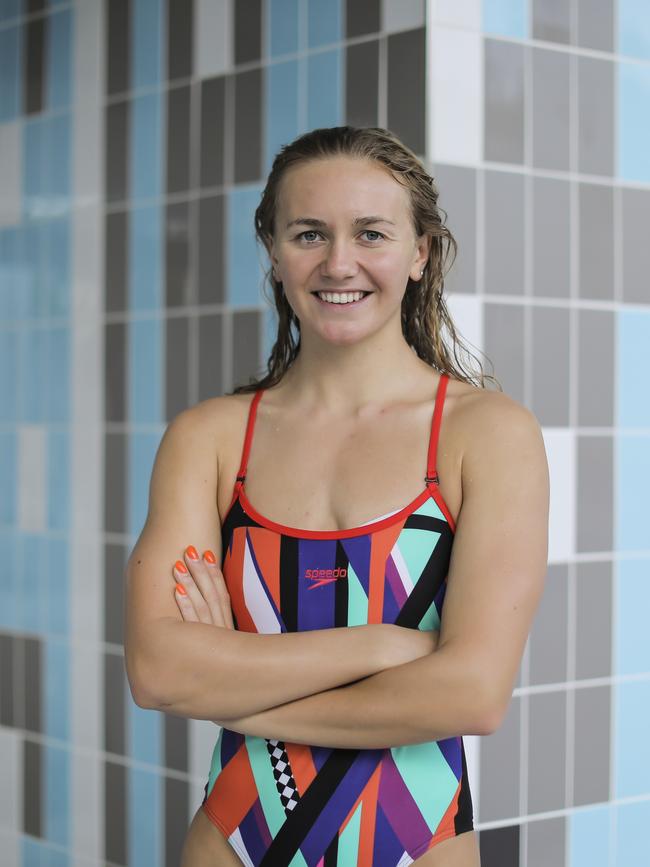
(185, 604)
(205, 585)
(183, 576)
(220, 584)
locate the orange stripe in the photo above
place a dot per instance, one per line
(267, 554)
(245, 622)
(383, 542)
(302, 765)
(368, 819)
(234, 791)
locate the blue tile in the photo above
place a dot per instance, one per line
(57, 689)
(11, 55)
(33, 853)
(31, 583)
(633, 28)
(142, 451)
(506, 17)
(57, 375)
(9, 579)
(245, 271)
(58, 164)
(146, 42)
(59, 57)
(324, 89)
(8, 478)
(26, 255)
(34, 156)
(281, 122)
(57, 795)
(634, 121)
(282, 17)
(632, 595)
(32, 384)
(58, 857)
(9, 366)
(145, 734)
(631, 743)
(589, 837)
(57, 592)
(8, 271)
(632, 839)
(145, 805)
(145, 278)
(633, 351)
(10, 9)
(324, 22)
(57, 260)
(34, 304)
(146, 146)
(58, 480)
(145, 370)
(632, 486)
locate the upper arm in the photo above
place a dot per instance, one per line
(499, 555)
(182, 511)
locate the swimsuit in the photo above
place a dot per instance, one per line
(281, 804)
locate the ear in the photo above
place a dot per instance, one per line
(423, 248)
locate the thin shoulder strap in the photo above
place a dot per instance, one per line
(432, 475)
(248, 438)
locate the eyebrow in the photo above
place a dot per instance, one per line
(358, 221)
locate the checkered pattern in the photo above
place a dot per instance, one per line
(284, 780)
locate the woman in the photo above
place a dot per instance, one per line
(343, 693)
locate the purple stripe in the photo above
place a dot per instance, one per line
(450, 748)
(399, 806)
(396, 584)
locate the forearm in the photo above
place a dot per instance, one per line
(430, 698)
(208, 672)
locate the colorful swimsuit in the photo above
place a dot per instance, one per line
(282, 804)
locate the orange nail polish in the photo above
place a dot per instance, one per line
(192, 553)
(209, 556)
(180, 589)
(181, 566)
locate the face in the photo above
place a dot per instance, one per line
(343, 226)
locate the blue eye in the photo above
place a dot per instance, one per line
(314, 232)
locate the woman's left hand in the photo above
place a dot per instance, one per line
(206, 598)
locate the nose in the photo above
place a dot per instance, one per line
(340, 260)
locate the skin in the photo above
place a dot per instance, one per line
(356, 381)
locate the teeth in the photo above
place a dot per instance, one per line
(340, 297)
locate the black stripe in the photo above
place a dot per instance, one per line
(429, 582)
(341, 592)
(289, 582)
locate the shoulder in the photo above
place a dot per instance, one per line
(210, 423)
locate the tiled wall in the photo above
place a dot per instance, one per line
(135, 136)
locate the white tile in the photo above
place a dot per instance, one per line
(11, 778)
(87, 807)
(213, 26)
(473, 757)
(399, 15)
(454, 96)
(561, 453)
(466, 312)
(32, 478)
(202, 735)
(11, 172)
(87, 698)
(457, 13)
(10, 848)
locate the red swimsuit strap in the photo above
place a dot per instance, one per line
(432, 475)
(252, 413)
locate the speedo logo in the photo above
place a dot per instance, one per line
(324, 576)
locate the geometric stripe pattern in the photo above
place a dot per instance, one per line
(281, 803)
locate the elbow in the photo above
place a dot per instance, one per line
(140, 684)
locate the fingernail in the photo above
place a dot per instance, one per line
(192, 553)
(181, 566)
(180, 589)
(209, 556)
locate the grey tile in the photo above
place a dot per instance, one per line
(596, 124)
(402, 15)
(596, 367)
(546, 752)
(596, 241)
(504, 223)
(177, 819)
(504, 101)
(503, 343)
(118, 45)
(115, 459)
(593, 631)
(248, 125)
(591, 745)
(178, 139)
(177, 366)
(499, 773)
(550, 109)
(499, 847)
(362, 16)
(595, 24)
(212, 102)
(548, 637)
(116, 167)
(115, 813)
(551, 237)
(406, 74)
(178, 236)
(34, 40)
(247, 30)
(361, 84)
(33, 684)
(551, 20)
(210, 254)
(115, 558)
(115, 261)
(457, 195)
(114, 371)
(550, 379)
(546, 843)
(175, 729)
(595, 489)
(246, 342)
(211, 342)
(7, 684)
(33, 789)
(114, 695)
(180, 30)
(636, 250)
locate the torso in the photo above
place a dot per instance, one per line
(328, 474)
